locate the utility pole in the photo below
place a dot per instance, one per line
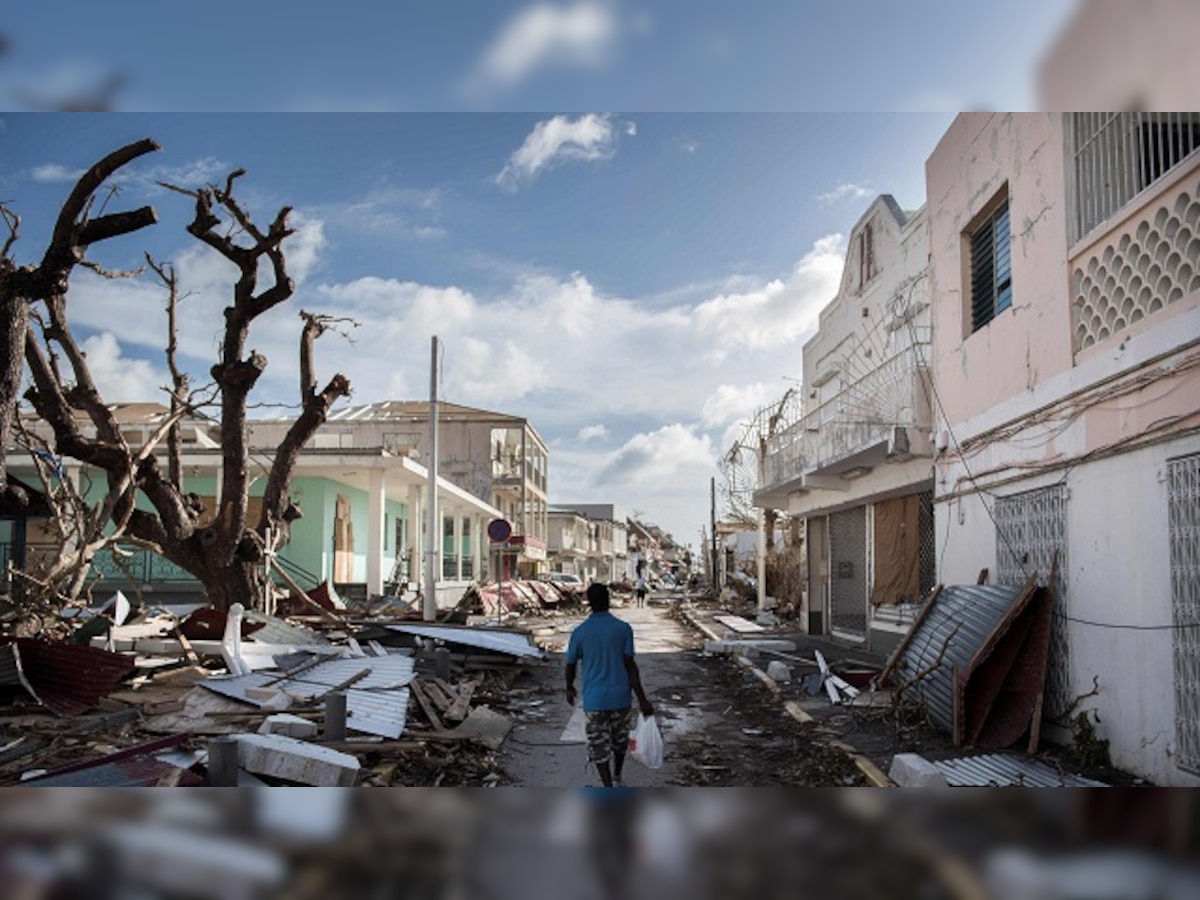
(433, 520)
(716, 588)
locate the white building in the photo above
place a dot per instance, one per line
(854, 457)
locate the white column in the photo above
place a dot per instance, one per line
(376, 503)
(477, 534)
(416, 520)
(458, 547)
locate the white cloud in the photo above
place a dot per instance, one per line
(121, 379)
(775, 314)
(730, 401)
(648, 459)
(592, 433)
(304, 248)
(396, 211)
(844, 190)
(583, 35)
(586, 139)
(53, 172)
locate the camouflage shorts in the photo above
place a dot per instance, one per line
(607, 732)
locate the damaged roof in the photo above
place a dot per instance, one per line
(65, 678)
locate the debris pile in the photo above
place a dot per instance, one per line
(323, 695)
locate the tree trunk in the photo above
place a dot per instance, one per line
(14, 321)
(241, 582)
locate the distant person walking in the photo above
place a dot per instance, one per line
(603, 645)
(641, 587)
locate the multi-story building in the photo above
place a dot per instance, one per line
(495, 457)
(571, 535)
(607, 557)
(645, 551)
(853, 457)
(1065, 258)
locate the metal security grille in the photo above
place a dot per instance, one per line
(1031, 529)
(848, 571)
(928, 547)
(1115, 156)
(1184, 515)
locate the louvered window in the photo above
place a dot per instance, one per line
(991, 268)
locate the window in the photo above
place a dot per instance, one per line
(991, 267)
(1114, 156)
(866, 255)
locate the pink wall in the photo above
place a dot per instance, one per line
(1031, 341)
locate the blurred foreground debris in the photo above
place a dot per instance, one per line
(961, 845)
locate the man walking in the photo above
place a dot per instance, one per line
(604, 646)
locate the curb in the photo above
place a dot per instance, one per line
(874, 775)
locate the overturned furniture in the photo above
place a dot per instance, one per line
(975, 659)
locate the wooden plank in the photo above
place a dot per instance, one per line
(418, 690)
(462, 705)
(188, 650)
(441, 697)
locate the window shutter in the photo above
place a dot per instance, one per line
(983, 274)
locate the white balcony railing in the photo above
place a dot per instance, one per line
(863, 414)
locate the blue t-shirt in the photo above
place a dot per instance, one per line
(601, 643)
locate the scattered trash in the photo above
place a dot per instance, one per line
(779, 671)
(837, 688)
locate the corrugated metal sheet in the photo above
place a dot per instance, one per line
(377, 712)
(977, 660)
(376, 704)
(277, 631)
(512, 643)
(65, 678)
(1002, 770)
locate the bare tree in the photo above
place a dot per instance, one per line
(226, 553)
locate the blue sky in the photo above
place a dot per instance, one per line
(636, 284)
(542, 55)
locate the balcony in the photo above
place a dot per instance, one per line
(883, 415)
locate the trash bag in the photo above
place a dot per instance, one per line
(645, 742)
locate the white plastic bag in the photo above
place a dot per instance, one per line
(645, 742)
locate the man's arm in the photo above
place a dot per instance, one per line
(635, 679)
(571, 683)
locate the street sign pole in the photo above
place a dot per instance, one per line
(499, 530)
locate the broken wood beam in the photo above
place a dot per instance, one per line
(418, 690)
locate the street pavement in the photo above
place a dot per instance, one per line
(668, 655)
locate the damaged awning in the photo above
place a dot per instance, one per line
(976, 660)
